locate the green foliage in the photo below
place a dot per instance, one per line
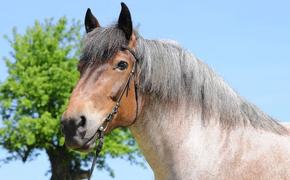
(42, 73)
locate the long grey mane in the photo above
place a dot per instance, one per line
(170, 73)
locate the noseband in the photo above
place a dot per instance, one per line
(115, 109)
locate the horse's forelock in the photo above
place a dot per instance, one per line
(102, 43)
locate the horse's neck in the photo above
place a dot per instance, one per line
(178, 146)
(166, 138)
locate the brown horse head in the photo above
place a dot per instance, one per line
(105, 72)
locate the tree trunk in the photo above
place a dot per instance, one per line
(62, 167)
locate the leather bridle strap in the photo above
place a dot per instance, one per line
(115, 109)
(98, 150)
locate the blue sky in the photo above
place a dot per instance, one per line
(247, 42)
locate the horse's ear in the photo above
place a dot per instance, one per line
(91, 21)
(125, 21)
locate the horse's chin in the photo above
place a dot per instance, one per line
(84, 145)
(86, 149)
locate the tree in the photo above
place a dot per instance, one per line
(41, 74)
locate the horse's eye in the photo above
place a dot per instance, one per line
(122, 65)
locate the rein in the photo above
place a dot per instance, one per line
(115, 109)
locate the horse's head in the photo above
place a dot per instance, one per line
(105, 78)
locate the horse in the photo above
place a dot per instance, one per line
(188, 122)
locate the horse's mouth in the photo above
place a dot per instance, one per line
(89, 144)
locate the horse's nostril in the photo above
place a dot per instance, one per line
(72, 127)
(83, 121)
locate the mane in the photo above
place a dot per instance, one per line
(169, 73)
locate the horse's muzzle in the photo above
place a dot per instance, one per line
(74, 130)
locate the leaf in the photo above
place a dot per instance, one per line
(30, 139)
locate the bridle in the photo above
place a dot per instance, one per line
(110, 117)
